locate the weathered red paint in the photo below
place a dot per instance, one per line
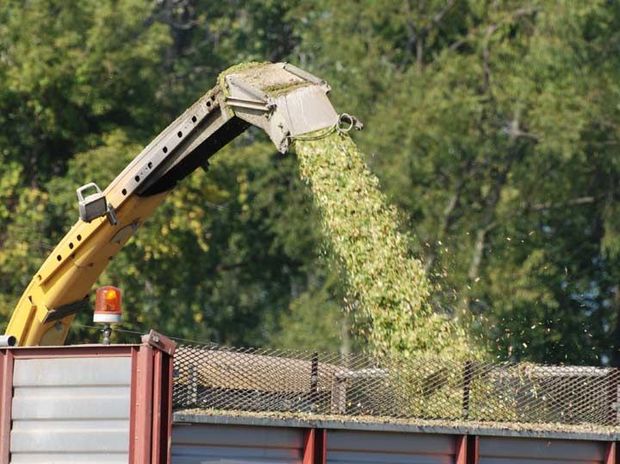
(165, 407)
(160, 412)
(610, 453)
(159, 341)
(6, 399)
(143, 384)
(156, 411)
(151, 400)
(320, 456)
(460, 454)
(309, 442)
(315, 447)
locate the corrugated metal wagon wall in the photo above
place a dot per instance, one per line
(216, 443)
(77, 404)
(217, 438)
(349, 447)
(496, 450)
(207, 444)
(70, 409)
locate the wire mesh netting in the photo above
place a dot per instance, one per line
(264, 380)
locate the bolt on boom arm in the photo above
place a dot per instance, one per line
(279, 98)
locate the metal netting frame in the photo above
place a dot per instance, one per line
(359, 386)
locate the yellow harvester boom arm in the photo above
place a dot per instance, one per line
(283, 100)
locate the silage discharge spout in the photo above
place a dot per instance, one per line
(285, 101)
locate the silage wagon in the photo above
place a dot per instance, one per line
(160, 403)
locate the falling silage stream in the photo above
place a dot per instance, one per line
(361, 228)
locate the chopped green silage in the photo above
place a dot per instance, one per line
(389, 287)
(460, 426)
(282, 89)
(273, 90)
(221, 78)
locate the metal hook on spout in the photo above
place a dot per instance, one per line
(346, 122)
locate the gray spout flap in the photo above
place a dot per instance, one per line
(281, 99)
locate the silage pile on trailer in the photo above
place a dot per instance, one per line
(388, 285)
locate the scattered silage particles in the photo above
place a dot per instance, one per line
(389, 287)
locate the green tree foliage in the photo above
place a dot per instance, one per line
(70, 73)
(498, 141)
(223, 258)
(493, 126)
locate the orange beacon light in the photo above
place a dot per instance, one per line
(108, 305)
